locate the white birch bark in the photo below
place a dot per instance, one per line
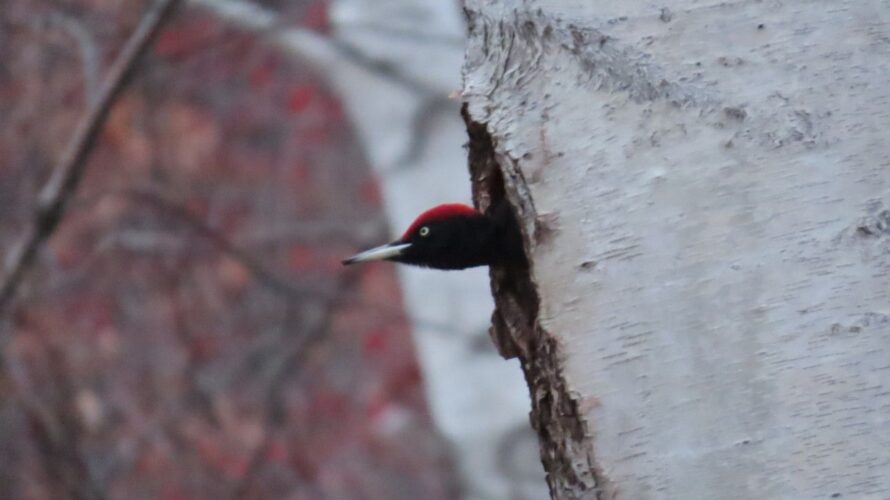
(705, 189)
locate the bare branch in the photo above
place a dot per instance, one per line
(53, 423)
(89, 52)
(290, 360)
(422, 130)
(337, 295)
(257, 269)
(317, 50)
(417, 36)
(66, 176)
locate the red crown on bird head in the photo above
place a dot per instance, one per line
(438, 213)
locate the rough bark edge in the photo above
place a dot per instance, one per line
(564, 436)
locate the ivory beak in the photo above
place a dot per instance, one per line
(379, 253)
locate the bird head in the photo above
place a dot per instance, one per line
(449, 236)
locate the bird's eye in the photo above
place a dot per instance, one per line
(424, 231)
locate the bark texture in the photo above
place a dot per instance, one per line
(705, 196)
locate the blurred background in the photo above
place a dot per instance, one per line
(187, 331)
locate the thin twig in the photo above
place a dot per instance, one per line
(286, 365)
(57, 433)
(311, 47)
(89, 52)
(255, 267)
(66, 176)
(266, 276)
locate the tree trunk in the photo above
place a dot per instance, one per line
(705, 196)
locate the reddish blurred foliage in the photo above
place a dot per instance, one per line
(301, 258)
(147, 356)
(191, 32)
(316, 16)
(370, 192)
(300, 97)
(376, 342)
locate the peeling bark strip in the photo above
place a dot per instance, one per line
(566, 451)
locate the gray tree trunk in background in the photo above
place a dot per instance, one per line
(705, 192)
(394, 64)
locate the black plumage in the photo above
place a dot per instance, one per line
(455, 236)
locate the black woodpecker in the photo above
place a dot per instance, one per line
(454, 236)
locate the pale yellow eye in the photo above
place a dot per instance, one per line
(424, 231)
